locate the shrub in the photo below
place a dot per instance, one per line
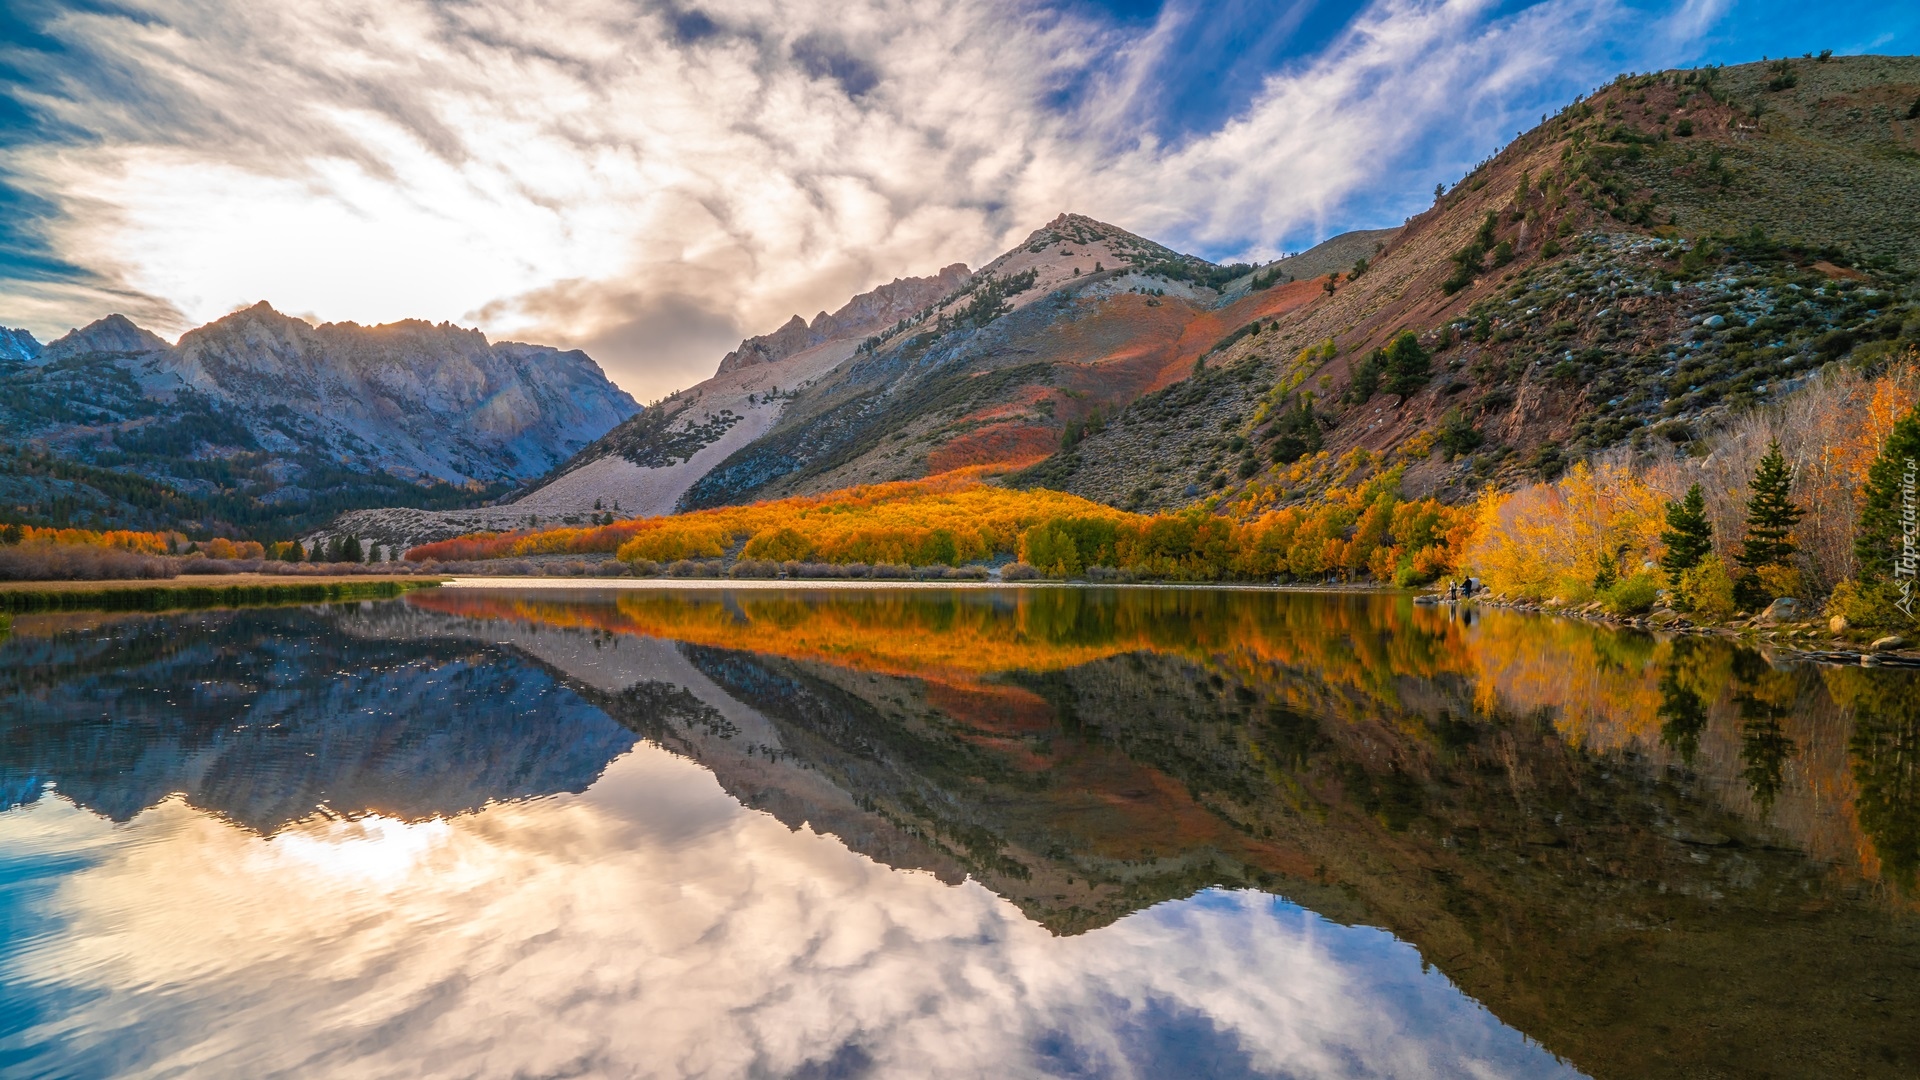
(1631, 595)
(1869, 605)
(1018, 571)
(1706, 589)
(784, 544)
(1457, 435)
(79, 562)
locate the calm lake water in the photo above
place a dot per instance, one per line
(1049, 832)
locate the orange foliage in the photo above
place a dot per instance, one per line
(955, 518)
(1548, 539)
(148, 543)
(222, 548)
(952, 518)
(1006, 445)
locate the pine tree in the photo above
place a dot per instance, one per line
(1689, 535)
(351, 551)
(1771, 514)
(1880, 540)
(1407, 364)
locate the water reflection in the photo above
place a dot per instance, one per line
(1021, 833)
(264, 716)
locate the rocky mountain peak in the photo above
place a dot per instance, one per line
(18, 346)
(113, 334)
(858, 317)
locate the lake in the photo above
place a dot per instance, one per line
(1052, 831)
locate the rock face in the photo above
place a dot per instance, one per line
(18, 345)
(864, 314)
(115, 334)
(412, 397)
(265, 424)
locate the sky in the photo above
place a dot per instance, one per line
(652, 180)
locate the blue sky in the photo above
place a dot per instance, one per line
(653, 180)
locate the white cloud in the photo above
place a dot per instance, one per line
(654, 927)
(589, 172)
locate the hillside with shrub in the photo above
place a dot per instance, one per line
(1656, 259)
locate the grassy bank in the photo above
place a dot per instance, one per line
(37, 596)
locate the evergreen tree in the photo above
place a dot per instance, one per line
(351, 551)
(1771, 514)
(1689, 535)
(1880, 540)
(336, 549)
(1407, 364)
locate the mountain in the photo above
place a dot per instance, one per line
(1674, 248)
(261, 421)
(860, 316)
(920, 375)
(411, 398)
(18, 346)
(115, 334)
(1657, 256)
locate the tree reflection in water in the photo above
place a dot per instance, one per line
(1600, 834)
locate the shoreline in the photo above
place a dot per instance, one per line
(1840, 653)
(775, 584)
(210, 591)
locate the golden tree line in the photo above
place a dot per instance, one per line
(1773, 505)
(958, 518)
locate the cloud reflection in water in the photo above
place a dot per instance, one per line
(653, 927)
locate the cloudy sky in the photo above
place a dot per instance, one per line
(654, 179)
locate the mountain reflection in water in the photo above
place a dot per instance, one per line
(1021, 832)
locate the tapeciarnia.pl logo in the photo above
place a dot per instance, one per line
(1907, 564)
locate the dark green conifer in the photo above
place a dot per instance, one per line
(1689, 535)
(1880, 540)
(1407, 364)
(1771, 513)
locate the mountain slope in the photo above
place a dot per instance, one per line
(1598, 282)
(261, 421)
(928, 374)
(646, 464)
(1676, 247)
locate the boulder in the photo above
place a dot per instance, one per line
(1781, 610)
(1888, 643)
(1837, 624)
(1663, 617)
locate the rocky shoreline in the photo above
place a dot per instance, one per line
(1775, 630)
